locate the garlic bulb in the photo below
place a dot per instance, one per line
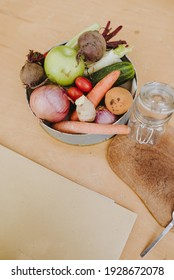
(85, 109)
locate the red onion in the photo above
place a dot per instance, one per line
(50, 102)
(103, 115)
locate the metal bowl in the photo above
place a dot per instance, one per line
(89, 139)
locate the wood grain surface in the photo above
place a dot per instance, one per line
(39, 25)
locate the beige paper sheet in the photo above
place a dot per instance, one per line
(46, 216)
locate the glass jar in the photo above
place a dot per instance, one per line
(151, 111)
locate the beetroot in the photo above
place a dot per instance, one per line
(32, 74)
(92, 46)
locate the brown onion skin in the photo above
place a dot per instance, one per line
(50, 103)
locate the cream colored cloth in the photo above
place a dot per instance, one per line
(46, 216)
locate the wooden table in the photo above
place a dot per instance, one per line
(38, 25)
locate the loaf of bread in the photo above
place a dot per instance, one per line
(148, 170)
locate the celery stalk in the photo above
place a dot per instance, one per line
(122, 50)
(73, 42)
(109, 57)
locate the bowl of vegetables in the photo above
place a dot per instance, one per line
(82, 91)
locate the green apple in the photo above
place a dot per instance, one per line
(61, 65)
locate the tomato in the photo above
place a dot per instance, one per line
(74, 93)
(83, 84)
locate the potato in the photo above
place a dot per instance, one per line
(118, 100)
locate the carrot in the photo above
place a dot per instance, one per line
(99, 90)
(90, 128)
